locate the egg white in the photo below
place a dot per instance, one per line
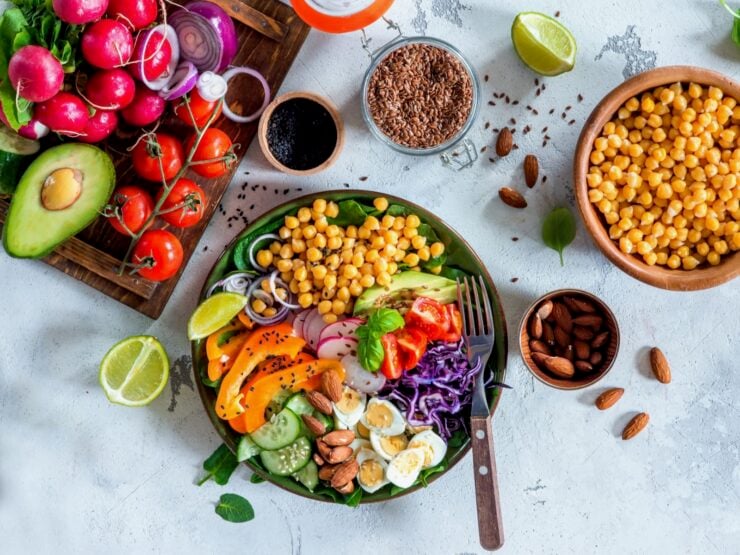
(404, 469)
(368, 454)
(398, 422)
(349, 419)
(433, 446)
(376, 441)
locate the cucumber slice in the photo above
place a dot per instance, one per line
(246, 448)
(15, 154)
(282, 429)
(299, 404)
(308, 475)
(278, 403)
(288, 460)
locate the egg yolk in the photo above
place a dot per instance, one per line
(407, 463)
(428, 451)
(393, 445)
(362, 431)
(371, 473)
(379, 416)
(350, 401)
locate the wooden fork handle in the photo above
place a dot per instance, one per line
(490, 525)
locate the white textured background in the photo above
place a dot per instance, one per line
(78, 475)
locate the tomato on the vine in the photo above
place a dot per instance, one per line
(429, 316)
(214, 144)
(391, 367)
(148, 153)
(185, 204)
(158, 255)
(132, 207)
(200, 109)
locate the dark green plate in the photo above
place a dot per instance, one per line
(460, 255)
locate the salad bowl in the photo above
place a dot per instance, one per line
(460, 259)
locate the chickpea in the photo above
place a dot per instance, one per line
(264, 258)
(381, 204)
(304, 215)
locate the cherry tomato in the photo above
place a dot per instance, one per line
(159, 253)
(214, 144)
(391, 366)
(412, 344)
(135, 206)
(192, 200)
(429, 316)
(201, 109)
(454, 330)
(146, 161)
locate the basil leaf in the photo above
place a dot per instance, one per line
(234, 508)
(354, 499)
(559, 230)
(352, 212)
(370, 353)
(385, 320)
(219, 466)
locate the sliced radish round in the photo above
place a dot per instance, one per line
(300, 319)
(345, 328)
(360, 379)
(312, 329)
(336, 348)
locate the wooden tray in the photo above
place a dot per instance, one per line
(94, 255)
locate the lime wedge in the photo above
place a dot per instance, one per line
(134, 372)
(543, 44)
(214, 313)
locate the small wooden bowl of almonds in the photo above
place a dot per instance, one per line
(569, 339)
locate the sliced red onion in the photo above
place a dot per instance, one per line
(211, 87)
(264, 296)
(182, 82)
(265, 87)
(252, 246)
(254, 291)
(169, 34)
(212, 288)
(274, 280)
(237, 283)
(207, 35)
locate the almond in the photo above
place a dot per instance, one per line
(584, 334)
(339, 454)
(545, 310)
(539, 347)
(327, 472)
(318, 460)
(345, 472)
(583, 305)
(561, 337)
(535, 327)
(320, 402)
(531, 170)
(339, 437)
(560, 366)
(583, 366)
(347, 488)
(512, 198)
(331, 385)
(569, 354)
(505, 142)
(548, 334)
(660, 366)
(589, 320)
(562, 317)
(540, 359)
(609, 398)
(600, 340)
(315, 426)
(596, 358)
(583, 350)
(636, 425)
(324, 450)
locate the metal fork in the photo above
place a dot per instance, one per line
(478, 334)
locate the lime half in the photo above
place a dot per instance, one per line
(214, 313)
(543, 44)
(134, 372)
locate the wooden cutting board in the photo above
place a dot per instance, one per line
(94, 255)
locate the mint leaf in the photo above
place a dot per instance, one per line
(219, 466)
(234, 508)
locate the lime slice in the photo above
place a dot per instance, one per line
(134, 372)
(543, 44)
(214, 313)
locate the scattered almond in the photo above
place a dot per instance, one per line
(320, 402)
(512, 197)
(636, 425)
(339, 437)
(660, 366)
(331, 385)
(315, 426)
(531, 170)
(339, 454)
(505, 142)
(346, 472)
(560, 366)
(609, 398)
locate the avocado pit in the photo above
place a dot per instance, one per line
(61, 189)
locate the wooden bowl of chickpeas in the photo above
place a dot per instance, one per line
(657, 177)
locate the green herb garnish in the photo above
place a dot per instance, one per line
(219, 466)
(736, 24)
(234, 508)
(559, 230)
(369, 349)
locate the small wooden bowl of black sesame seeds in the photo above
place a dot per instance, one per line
(301, 133)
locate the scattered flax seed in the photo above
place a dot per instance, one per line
(363, 178)
(536, 82)
(571, 122)
(251, 206)
(514, 279)
(496, 130)
(548, 137)
(580, 98)
(491, 103)
(544, 86)
(552, 111)
(512, 121)
(487, 125)
(538, 92)
(529, 107)
(568, 107)
(563, 115)
(557, 13)
(544, 129)
(485, 78)
(544, 179)
(515, 147)
(515, 103)
(515, 239)
(508, 100)
(205, 248)
(483, 149)
(535, 112)
(346, 185)
(491, 160)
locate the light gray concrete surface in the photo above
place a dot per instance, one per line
(78, 475)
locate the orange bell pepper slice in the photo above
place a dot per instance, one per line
(299, 376)
(262, 344)
(245, 320)
(222, 348)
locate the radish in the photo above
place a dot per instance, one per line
(34, 129)
(99, 126)
(147, 107)
(135, 13)
(152, 56)
(65, 113)
(312, 329)
(107, 44)
(299, 321)
(335, 348)
(360, 379)
(79, 12)
(110, 89)
(345, 328)
(35, 73)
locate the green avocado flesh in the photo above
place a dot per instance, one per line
(404, 288)
(33, 231)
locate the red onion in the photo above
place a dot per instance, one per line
(170, 36)
(253, 291)
(265, 87)
(207, 35)
(275, 280)
(182, 82)
(211, 87)
(254, 244)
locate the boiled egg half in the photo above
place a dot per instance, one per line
(404, 468)
(383, 417)
(388, 446)
(434, 447)
(348, 410)
(372, 473)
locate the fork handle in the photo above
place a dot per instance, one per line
(490, 524)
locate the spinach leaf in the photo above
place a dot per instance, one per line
(559, 230)
(352, 212)
(219, 466)
(736, 22)
(234, 508)
(452, 273)
(240, 254)
(396, 210)
(256, 479)
(457, 440)
(354, 499)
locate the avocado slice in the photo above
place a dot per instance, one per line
(404, 288)
(59, 195)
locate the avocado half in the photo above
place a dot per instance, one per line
(404, 288)
(60, 194)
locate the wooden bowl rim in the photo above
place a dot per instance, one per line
(265, 119)
(664, 278)
(562, 384)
